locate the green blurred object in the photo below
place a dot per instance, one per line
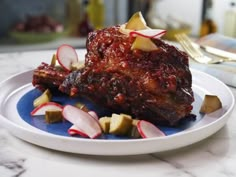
(34, 37)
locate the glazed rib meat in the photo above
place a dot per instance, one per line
(155, 86)
(47, 76)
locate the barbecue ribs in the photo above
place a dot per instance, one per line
(155, 86)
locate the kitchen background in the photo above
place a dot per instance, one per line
(56, 18)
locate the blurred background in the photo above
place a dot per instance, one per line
(45, 24)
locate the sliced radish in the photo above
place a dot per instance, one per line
(148, 130)
(84, 121)
(40, 110)
(73, 130)
(148, 33)
(66, 56)
(123, 29)
(94, 115)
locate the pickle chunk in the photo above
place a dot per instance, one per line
(44, 98)
(210, 104)
(144, 44)
(53, 116)
(105, 124)
(136, 22)
(54, 60)
(76, 66)
(133, 131)
(120, 124)
(82, 106)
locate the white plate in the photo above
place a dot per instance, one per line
(12, 89)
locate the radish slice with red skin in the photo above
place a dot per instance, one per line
(84, 121)
(123, 30)
(148, 33)
(126, 31)
(73, 130)
(40, 110)
(94, 115)
(148, 130)
(66, 56)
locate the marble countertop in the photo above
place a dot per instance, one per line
(214, 156)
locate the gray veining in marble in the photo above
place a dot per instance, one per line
(11, 163)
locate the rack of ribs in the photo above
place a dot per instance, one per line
(154, 86)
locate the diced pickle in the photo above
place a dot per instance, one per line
(82, 106)
(144, 44)
(126, 115)
(133, 132)
(105, 124)
(44, 98)
(135, 122)
(120, 124)
(136, 22)
(77, 66)
(53, 116)
(59, 68)
(54, 60)
(210, 104)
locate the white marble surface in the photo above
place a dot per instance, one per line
(214, 156)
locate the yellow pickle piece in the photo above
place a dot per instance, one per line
(133, 132)
(120, 124)
(54, 60)
(76, 66)
(210, 104)
(53, 116)
(144, 44)
(105, 124)
(44, 98)
(82, 106)
(136, 22)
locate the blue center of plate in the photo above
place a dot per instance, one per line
(25, 106)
